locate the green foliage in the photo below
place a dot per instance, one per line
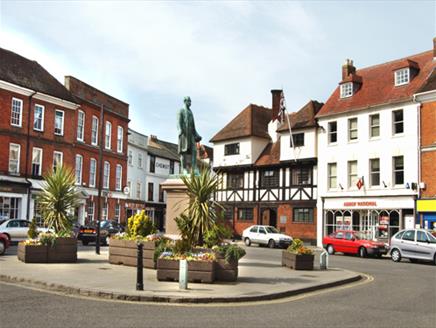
(32, 233)
(184, 224)
(182, 246)
(231, 252)
(202, 209)
(58, 199)
(296, 244)
(162, 245)
(47, 238)
(217, 234)
(140, 225)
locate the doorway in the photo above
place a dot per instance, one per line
(269, 217)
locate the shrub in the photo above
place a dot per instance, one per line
(217, 234)
(32, 233)
(47, 238)
(231, 252)
(140, 225)
(296, 244)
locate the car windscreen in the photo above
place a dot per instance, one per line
(271, 230)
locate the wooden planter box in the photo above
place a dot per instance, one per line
(63, 251)
(297, 262)
(125, 252)
(225, 271)
(32, 253)
(198, 271)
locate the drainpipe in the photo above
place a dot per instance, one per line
(26, 175)
(419, 159)
(100, 178)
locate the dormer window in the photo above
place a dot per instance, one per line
(402, 76)
(346, 89)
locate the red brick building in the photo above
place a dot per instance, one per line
(40, 128)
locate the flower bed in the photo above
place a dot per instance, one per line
(297, 256)
(125, 252)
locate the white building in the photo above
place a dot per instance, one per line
(150, 162)
(368, 149)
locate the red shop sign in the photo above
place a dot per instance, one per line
(354, 204)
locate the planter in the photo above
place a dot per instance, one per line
(198, 271)
(64, 250)
(297, 262)
(225, 271)
(125, 252)
(32, 253)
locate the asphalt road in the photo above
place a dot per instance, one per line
(401, 295)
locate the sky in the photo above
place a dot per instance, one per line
(224, 55)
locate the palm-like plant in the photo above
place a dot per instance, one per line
(202, 210)
(58, 199)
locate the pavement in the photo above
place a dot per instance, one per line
(259, 279)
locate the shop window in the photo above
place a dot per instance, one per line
(397, 121)
(301, 176)
(303, 215)
(333, 132)
(9, 207)
(269, 179)
(352, 129)
(374, 172)
(374, 125)
(231, 149)
(245, 214)
(297, 140)
(398, 165)
(235, 181)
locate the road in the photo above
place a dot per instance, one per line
(401, 295)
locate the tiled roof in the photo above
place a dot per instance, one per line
(270, 155)
(304, 118)
(252, 121)
(430, 84)
(162, 149)
(29, 74)
(378, 86)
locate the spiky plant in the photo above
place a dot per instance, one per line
(58, 199)
(202, 208)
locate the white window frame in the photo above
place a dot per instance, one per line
(118, 177)
(120, 132)
(371, 172)
(94, 131)
(92, 174)
(394, 123)
(402, 76)
(42, 117)
(371, 126)
(90, 214)
(107, 136)
(61, 158)
(350, 129)
(346, 89)
(38, 163)
(352, 175)
(106, 177)
(104, 211)
(77, 171)
(394, 171)
(117, 212)
(330, 177)
(138, 190)
(62, 125)
(18, 148)
(330, 132)
(130, 157)
(140, 161)
(81, 127)
(20, 118)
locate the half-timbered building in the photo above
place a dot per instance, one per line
(267, 178)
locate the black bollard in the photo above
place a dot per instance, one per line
(139, 269)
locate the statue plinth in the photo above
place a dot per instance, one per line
(177, 202)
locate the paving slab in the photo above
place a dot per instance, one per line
(93, 276)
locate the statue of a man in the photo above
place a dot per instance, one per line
(188, 137)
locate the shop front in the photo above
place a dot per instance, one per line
(427, 213)
(13, 198)
(376, 218)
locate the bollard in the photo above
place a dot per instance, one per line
(139, 269)
(323, 260)
(183, 274)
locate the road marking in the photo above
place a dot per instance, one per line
(366, 279)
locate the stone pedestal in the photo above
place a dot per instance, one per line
(177, 202)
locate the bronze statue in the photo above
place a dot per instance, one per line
(188, 137)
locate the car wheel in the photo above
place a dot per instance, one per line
(85, 242)
(2, 247)
(396, 255)
(247, 241)
(330, 249)
(271, 243)
(362, 252)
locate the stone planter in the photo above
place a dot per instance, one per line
(198, 271)
(64, 250)
(225, 271)
(125, 252)
(32, 253)
(297, 262)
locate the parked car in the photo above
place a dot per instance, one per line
(88, 233)
(353, 242)
(413, 244)
(265, 235)
(16, 229)
(4, 243)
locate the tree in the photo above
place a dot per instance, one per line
(202, 209)
(58, 199)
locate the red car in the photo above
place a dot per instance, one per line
(353, 242)
(4, 243)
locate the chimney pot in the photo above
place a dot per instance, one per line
(348, 69)
(276, 95)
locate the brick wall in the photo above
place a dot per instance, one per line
(428, 158)
(304, 231)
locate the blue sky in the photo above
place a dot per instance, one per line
(224, 55)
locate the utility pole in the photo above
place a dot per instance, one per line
(100, 179)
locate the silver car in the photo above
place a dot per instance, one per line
(16, 229)
(413, 244)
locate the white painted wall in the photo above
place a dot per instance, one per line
(306, 151)
(249, 151)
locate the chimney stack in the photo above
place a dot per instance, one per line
(434, 48)
(348, 69)
(276, 95)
